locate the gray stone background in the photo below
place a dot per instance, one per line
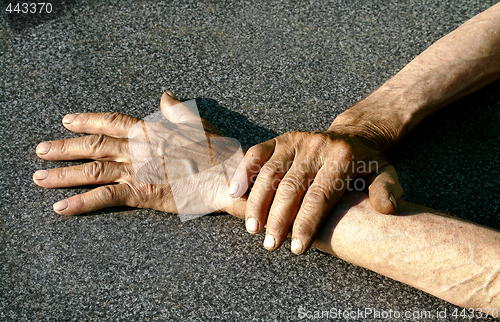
(257, 69)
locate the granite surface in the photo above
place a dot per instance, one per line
(258, 69)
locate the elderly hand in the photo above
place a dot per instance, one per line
(172, 162)
(300, 176)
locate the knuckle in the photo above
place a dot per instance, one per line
(115, 119)
(95, 142)
(135, 194)
(129, 121)
(271, 169)
(110, 118)
(94, 170)
(306, 226)
(316, 196)
(290, 185)
(293, 134)
(319, 139)
(276, 224)
(105, 194)
(62, 146)
(314, 143)
(254, 204)
(291, 139)
(126, 171)
(63, 174)
(344, 150)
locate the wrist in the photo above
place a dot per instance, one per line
(384, 117)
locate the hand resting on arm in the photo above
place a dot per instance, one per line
(302, 175)
(452, 259)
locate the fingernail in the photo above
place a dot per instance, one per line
(252, 225)
(61, 205)
(69, 118)
(233, 188)
(297, 246)
(171, 94)
(43, 148)
(269, 242)
(41, 174)
(393, 201)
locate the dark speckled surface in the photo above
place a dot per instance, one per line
(258, 69)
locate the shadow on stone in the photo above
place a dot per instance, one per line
(450, 161)
(233, 124)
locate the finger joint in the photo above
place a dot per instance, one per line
(105, 194)
(316, 196)
(96, 143)
(95, 170)
(290, 185)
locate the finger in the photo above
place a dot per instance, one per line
(262, 194)
(99, 198)
(97, 147)
(254, 159)
(328, 186)
(176, 111)
(381, 185)
(92, 173)
(287, 200)
(179, 112)
(111, 124)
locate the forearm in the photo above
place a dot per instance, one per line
(450, 258)
(459, 63)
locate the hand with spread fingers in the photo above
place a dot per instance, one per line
(176, 162)
(299, 176)
(173, 161)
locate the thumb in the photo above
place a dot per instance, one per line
(384, 190)
(254, 159)
(176, 111)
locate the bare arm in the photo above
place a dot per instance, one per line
(460, 63)
(444, 256)
(452, 259)
(284, 197)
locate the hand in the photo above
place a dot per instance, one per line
(173, 162)
(300, 176)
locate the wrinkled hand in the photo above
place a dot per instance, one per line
(170, 162)
(300, 176)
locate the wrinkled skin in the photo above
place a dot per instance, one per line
(171, 167)
(300, 176)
